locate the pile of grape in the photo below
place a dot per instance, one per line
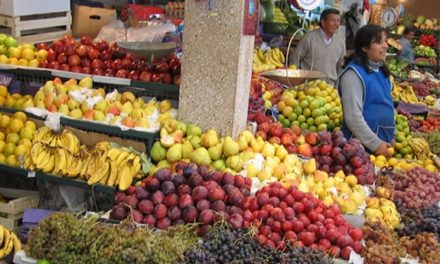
(63, 238)
(226, 245)
(416, 188)
(380, 244)
(416, 221)
(424, 246)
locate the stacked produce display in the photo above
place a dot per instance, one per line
(292, 189)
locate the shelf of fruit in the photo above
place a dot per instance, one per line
(92, 109)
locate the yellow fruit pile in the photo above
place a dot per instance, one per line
(402, 164)
(405, 93)
(384, 210)
(247, 154)
(267, 60)
(340, 189)
(23, 55)
(8, 242)
(16, 133)
(78, 100)
(315, 106)
(61, 154)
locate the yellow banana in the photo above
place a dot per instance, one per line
(113, 174)
(16, 242)
(40, 134)
(2, 234)
(136, 166)
(100, 174)
(70, 141)
(123, 156)
(114, 153)
(125, 175)
(35, 151)
(6, 245)
(261, 56)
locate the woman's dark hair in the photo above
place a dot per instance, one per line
(326, 13)
(365, 36)
(409, 30)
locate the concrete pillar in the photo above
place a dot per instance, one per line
(216, 66)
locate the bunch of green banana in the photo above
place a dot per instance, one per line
(268, 60)
(65, 139)
(8, 242)
(279, 16)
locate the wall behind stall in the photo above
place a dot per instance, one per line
(428, 8)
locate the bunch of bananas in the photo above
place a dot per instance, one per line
(66, 139)
(405, 93)
(279, 16)
(422, 151)
(103, 164)
(268, 60)
(383, 210)
(8, 242)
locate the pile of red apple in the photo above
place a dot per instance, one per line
(102, 58)
(259, 85)
(290, 216)
(333, 153)
(192, 194)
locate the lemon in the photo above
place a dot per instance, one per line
(430, 168)
(381, 158)
(392, 162)
(379, 163)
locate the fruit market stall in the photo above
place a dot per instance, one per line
(289, 189)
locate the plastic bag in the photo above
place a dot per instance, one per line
(113, 32)
(152, 34)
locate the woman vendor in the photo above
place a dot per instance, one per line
(365, 90)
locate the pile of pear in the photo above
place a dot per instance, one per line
(383, 210)
(62, 154)
(339, 189)
(248, 155)
(80, 100)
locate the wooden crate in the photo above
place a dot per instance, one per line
(37, 28)
(12, 211)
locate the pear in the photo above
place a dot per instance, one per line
(181, 126)
(215, 152)
(63, 109)
(351, 180)
(251, 170)
(193, 130)
(303, 187)
(209, 138)
(281, 152)
(86, 82)
(268, 150)
(230, 147)
(187, 149)
(265, 173)
(219, 164)
(310, 166)
(200, 156)
(279, 171)
(242, 142)
(235, 162)
(195, 141)
(163, 164)
(127, 108)
(357, 198)
(170, 124)
(247, 135)
(174, 153)
(158, 152)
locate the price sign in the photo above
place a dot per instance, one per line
(388, 17)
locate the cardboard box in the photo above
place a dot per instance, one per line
(89, 20)
(16, 8)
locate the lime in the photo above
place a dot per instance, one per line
(301, 119)
(304, 104)
(330, 125)
(316, 112)
(406, 130)
(337, 122)
(281, 117)
(398, 155)
(310, 121)
(307, 112)
(322, 127)
(314, 104)
(294, 123)
(292, 117)
(399, 127)
(400, 138)
(43, 261)
(304, 126)
(313, 128)
(286, 123)
(298, 110)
